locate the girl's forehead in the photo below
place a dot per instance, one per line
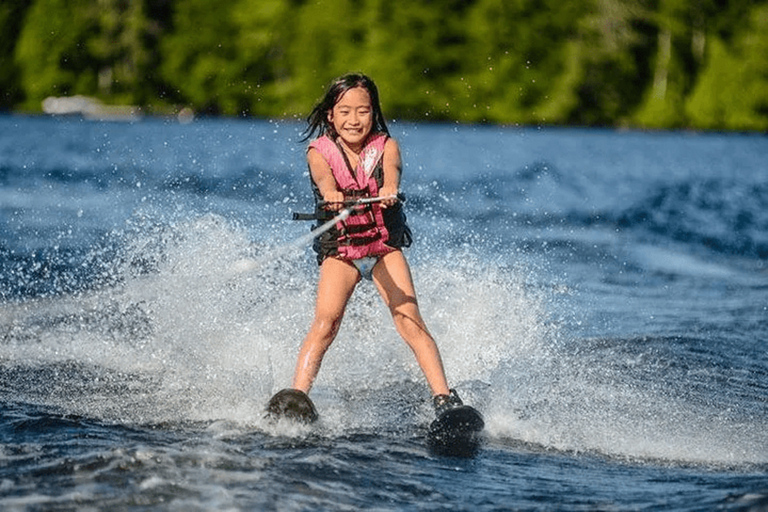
(355, 97)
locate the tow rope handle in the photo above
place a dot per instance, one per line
(349, 204)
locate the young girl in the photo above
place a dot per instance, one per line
(355, 158)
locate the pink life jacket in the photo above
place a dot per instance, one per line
(364, 232)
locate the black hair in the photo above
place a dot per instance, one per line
(317, 121)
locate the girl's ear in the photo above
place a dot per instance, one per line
(329, 116)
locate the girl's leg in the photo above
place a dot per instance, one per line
(392, 276)
(335, 287)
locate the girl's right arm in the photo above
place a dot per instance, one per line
(322, 176)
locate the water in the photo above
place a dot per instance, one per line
(602, 297)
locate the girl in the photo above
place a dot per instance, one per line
(353, 158)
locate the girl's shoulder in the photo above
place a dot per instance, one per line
(378, 140)
(321, 142)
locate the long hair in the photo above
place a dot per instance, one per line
(317, 121)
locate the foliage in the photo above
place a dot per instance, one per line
(732, 92)
(646, 63)
(10, 89)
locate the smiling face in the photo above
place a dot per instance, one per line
(352, 117)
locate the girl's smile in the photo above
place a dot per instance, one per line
(352, 117)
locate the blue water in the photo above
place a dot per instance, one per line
(601, 296)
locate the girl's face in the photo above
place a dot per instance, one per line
(352, 117)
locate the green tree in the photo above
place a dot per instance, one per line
(661, 106)
(611, 47)
(732, 91)
(681, 27)
(523, 63)
(52, 54)
(11, 12)
(416, 52)
(102, 48)
(316, 42)
(122, 53)
(200, 58)
(264, 33)
(649, 63)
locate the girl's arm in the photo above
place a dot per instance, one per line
(393, 166)
(322, 176)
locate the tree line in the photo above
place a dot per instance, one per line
(699, 64)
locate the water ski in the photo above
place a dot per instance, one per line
(292, 404)
(456, 432)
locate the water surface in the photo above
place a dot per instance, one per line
(601, 296)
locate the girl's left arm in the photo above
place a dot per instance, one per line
(392, 168)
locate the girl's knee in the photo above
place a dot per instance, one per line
(411, 327)
(326, 326)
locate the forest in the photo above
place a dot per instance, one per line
(649, 64)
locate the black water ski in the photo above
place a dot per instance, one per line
(456, 432)
(292, 404)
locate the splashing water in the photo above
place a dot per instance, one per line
(178, 337)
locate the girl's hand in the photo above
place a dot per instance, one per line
(390, 193)
(334, 200)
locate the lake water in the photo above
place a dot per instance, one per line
(601, 296)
